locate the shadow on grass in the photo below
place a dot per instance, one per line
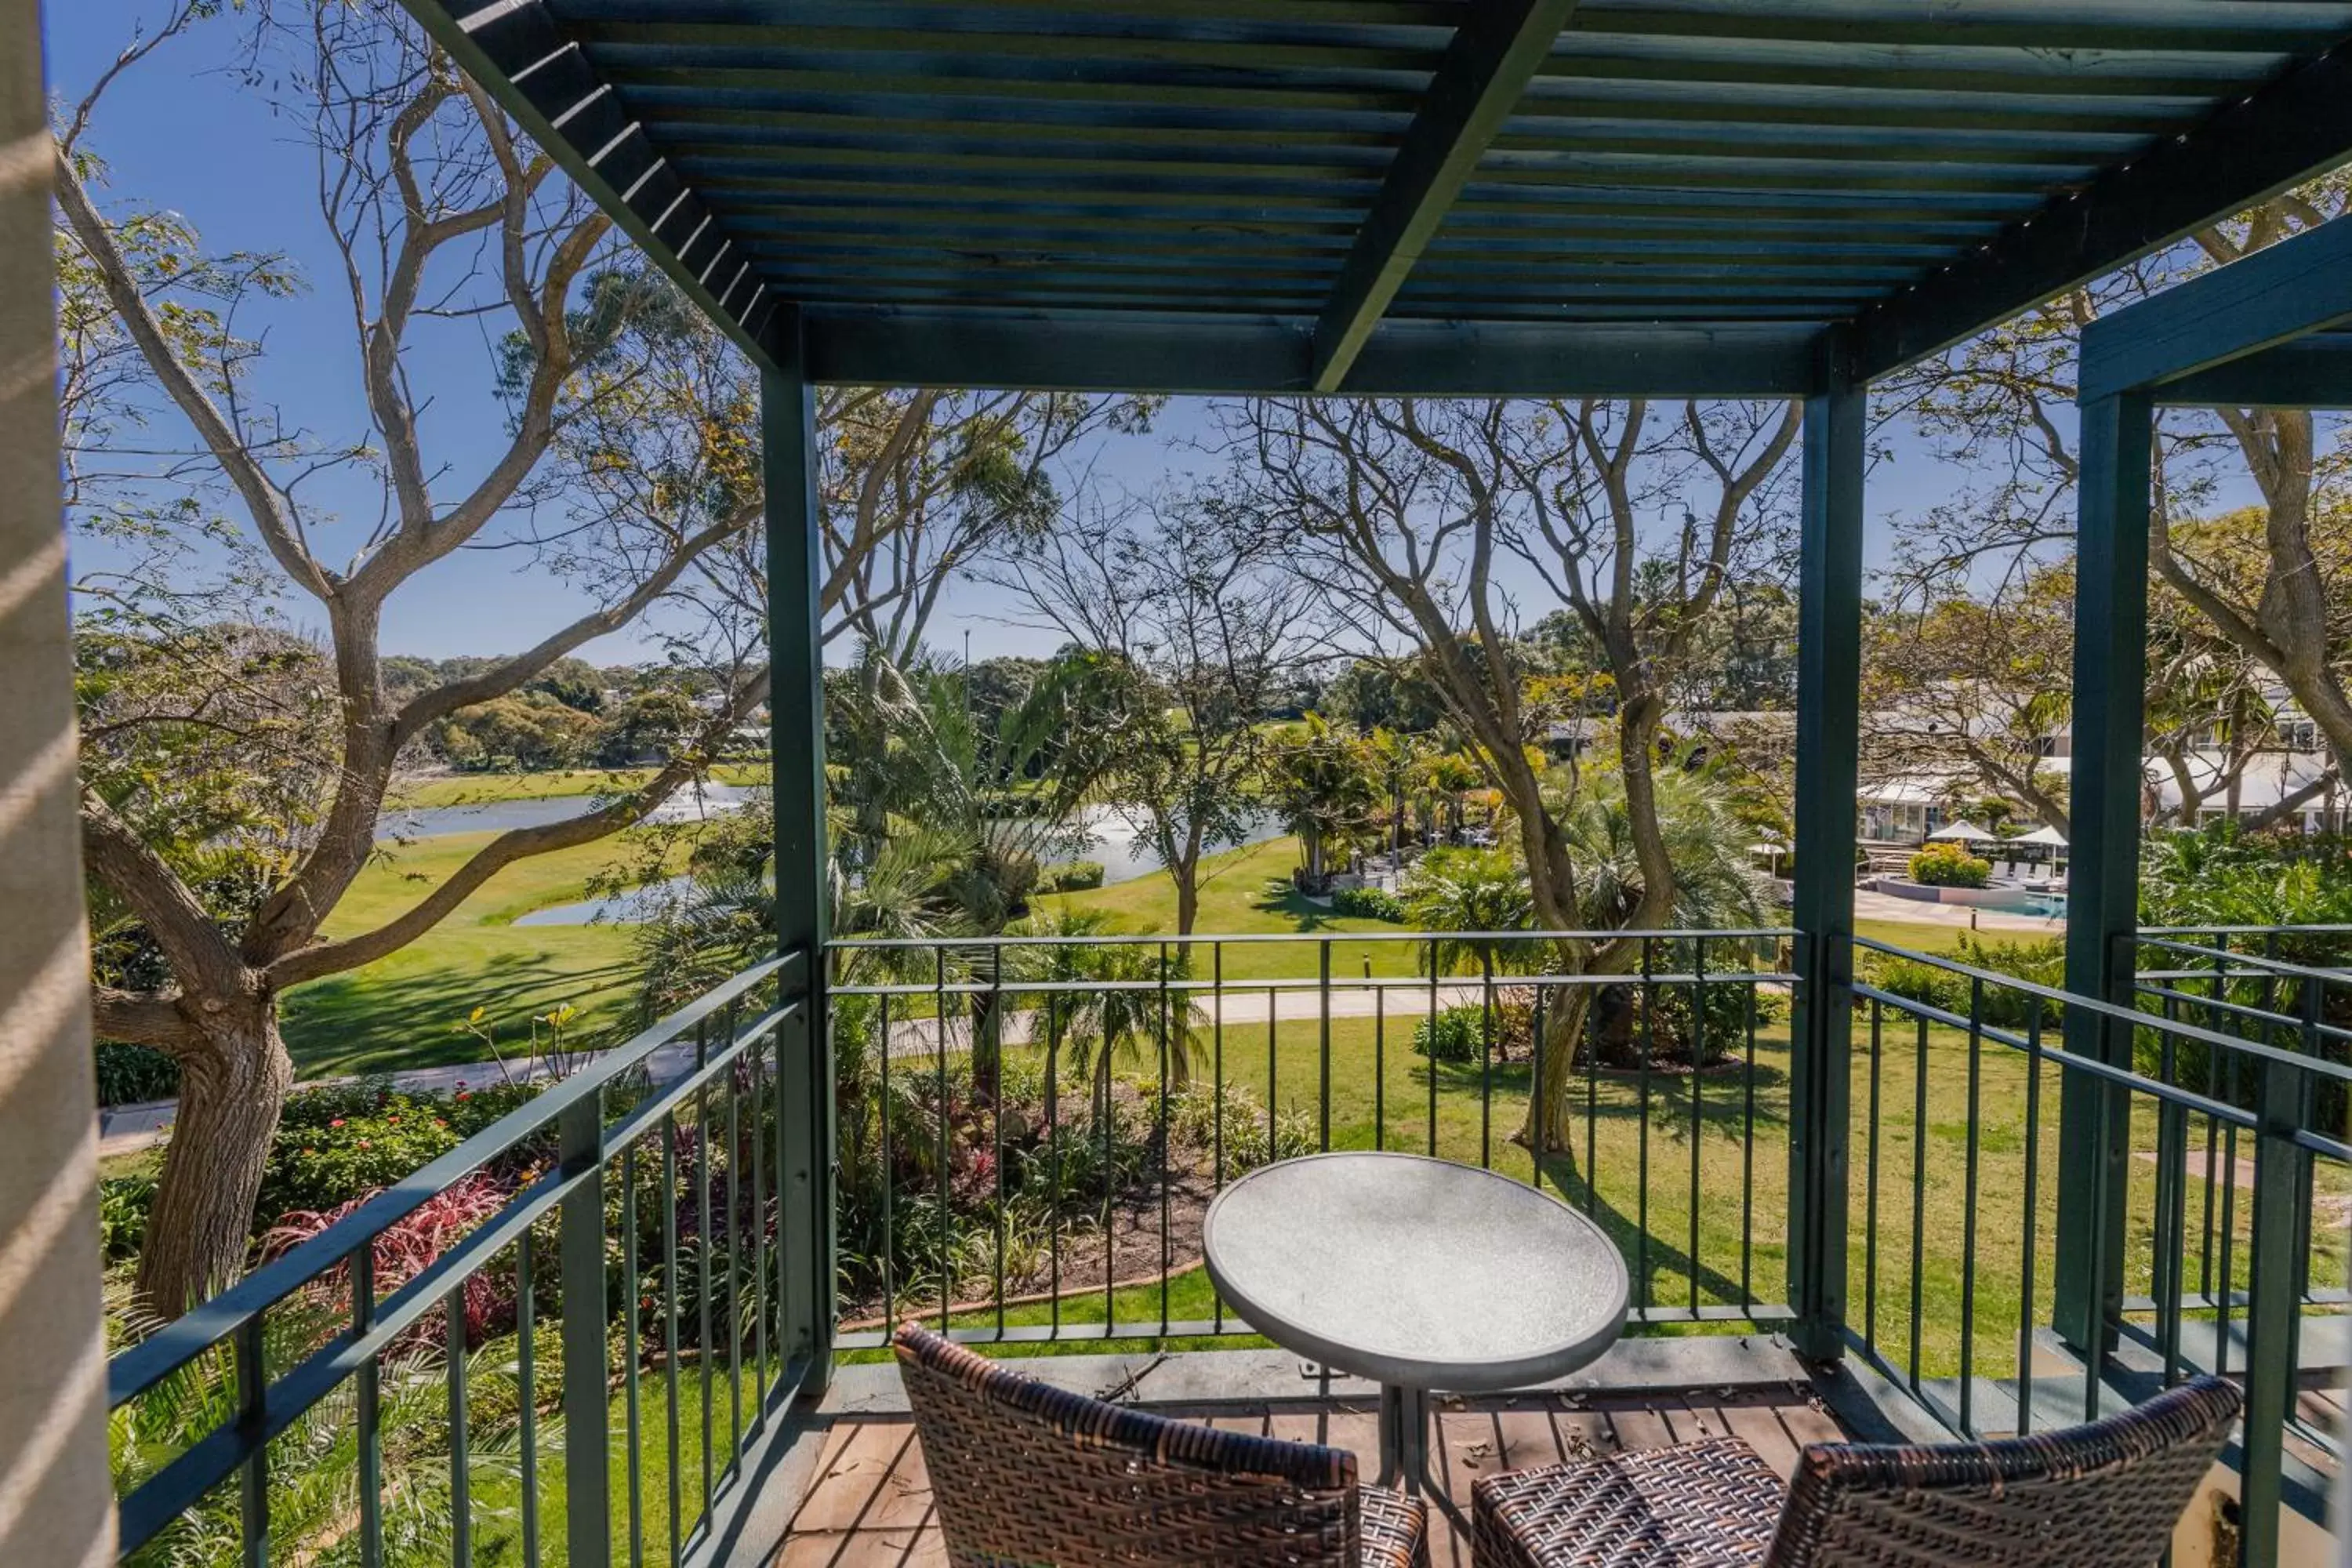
(381, 1023)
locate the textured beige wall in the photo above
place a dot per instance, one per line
(56, 1501)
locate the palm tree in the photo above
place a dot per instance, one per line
(1322, 783)
(1117, 1004)
(1473, 891)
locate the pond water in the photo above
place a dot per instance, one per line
(500, 816)
(1107, 839)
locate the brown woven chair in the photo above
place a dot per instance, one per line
(2101, 1496)
(1029, 1476)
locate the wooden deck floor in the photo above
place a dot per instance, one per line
(870, 1502)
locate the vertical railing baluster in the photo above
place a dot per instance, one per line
(1649, 1049)
(2025, 1307)
(1429, 1061)
(253, 1434)
(527, 1399)
(1592, 1098)
(1918, 1192)
(670, 1335)
(1697, 1122)
(940, 1103)
(1167, 1064)
(461, 1478)
(1969, 1213)
(1748, 1145)
(370, 1393)
(704, 1326)
(1217, 1104)
(1323, 1092)
(631, 1357)
(996, 1113)
(1537, 1118)
(1052, 1010)
(763, 1111)
(1870, 1186)
(889, 1173)
(2171, 1205)
(1485, 1060)
(733, 1324)
(1380, 1060)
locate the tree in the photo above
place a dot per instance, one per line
(1183, 594)
(1325, 786)
(1405, 512)
(2004, 400)
(1979, 684)
(626, 418)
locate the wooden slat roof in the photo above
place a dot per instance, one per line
(1370, 188)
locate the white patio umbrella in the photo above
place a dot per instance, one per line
(1962, 832)
(2049, 836)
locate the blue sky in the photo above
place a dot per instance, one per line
(181, 133)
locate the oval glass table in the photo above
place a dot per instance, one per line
(1419, 1275)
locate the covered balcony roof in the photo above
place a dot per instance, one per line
(1406, 196)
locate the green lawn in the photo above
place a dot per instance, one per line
(1636, 1166)
(403, 1011)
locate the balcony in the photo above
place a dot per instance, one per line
(1026, 1134)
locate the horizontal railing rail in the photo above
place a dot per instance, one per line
(1000, 1183)
(703, 1150)
(2220, 1153)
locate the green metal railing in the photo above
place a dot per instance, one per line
(2212, 1268)
(980, 1212)
(667, 1169)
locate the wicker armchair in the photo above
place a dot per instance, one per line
(1030, 1474)
(2101, 1496)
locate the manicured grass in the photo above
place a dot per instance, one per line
(1641, 1152)
(475, 789)
(403, 1010)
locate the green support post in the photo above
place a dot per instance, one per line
(2281, 1179)
(587, 1358)
(1829, 676)
(2103, 878)
(797, 749)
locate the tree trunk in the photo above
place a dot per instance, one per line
(1549, 1125)
(233, 1084)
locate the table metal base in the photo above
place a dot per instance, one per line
(1404, 1447)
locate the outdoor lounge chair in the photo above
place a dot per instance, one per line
(1028, 1473)
(2101, 1496)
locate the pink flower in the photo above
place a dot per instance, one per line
(363, 1142)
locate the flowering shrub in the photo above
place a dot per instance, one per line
(1949, 866)
(337, 1142)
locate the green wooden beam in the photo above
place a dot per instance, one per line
(1829, 728)
(2301, 285)
(2296, 126)
(2102, 876)
(806, 1231)
(1477, 85)
(1104, 352)
(2187, 26)
(2311, 373)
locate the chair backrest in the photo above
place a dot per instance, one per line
(1026, 1474)
(2102, 1496)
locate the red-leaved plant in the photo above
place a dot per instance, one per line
(405, 1250)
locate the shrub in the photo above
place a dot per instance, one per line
(1369, 904)
(405, 1250)
(1949, 866)
(1070, 876)
(132, 1075)
(338, 1142)
(123, 1203)
(1455, 1035)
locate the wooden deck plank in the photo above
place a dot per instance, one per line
(871, 1505)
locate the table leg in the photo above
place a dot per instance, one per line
(1404, 1447)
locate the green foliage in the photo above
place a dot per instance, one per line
(338, 1143)
(1324, 785)
(2222, 875)
(1070, 876)
(1455, 1035)
(1949, 866)
(1473, 891)
(2038, 963)
(134, 1075)
(1369, 904)
(123, 1203)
